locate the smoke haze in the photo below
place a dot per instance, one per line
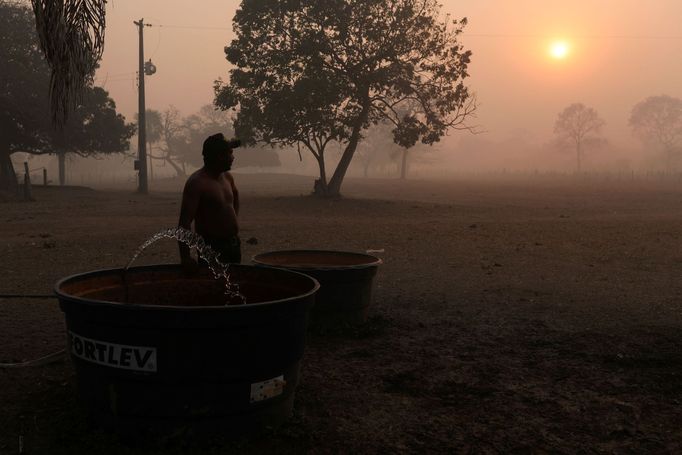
(621, 52)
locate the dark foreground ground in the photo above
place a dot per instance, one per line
(511, 317)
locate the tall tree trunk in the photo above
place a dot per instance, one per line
(321, 188)
(8, 178)
(579, 154)
(62, 167)
(403, 165)
(334, 187)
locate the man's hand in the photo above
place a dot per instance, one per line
(190, 266)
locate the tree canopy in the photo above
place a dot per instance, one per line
(310, 72)
(93, 128)
(579, 125)
(658, 121)
(71, 36)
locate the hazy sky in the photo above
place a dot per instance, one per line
(619, 52)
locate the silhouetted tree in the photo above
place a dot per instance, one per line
(24, 79)
(71, 35)
(658, 121)
(579, 125)
(173, 140)
(376, 147)
(311, 72)
(94, 128)
(407, 134)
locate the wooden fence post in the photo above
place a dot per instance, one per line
(28, 193)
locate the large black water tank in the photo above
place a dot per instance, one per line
(166, 348)
(346, 281)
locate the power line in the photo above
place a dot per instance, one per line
(197, 27)
(158, 41)
(120, 74)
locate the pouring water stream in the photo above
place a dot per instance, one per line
(192, 240)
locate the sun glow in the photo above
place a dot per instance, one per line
(559, 49)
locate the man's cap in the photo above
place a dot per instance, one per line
(215, 143)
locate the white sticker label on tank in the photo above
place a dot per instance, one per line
(138, 358)
(267, 389)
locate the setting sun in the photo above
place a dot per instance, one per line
(559, 49)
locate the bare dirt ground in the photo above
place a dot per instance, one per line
(539, 316)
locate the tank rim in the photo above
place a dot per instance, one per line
(375, 263)
(137, 306)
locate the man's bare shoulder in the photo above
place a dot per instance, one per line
(196, 183)
(196, 179)
(228, 176)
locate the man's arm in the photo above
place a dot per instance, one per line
(188, 211)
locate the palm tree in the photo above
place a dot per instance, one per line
(71, 34)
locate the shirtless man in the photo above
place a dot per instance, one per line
(211, 200)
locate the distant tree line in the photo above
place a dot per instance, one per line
(656, 121)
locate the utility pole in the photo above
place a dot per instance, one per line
(141, 163)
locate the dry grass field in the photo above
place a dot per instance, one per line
(509, 316)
